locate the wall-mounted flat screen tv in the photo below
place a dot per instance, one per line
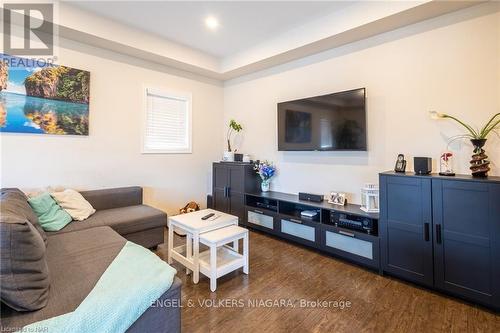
(329, 122)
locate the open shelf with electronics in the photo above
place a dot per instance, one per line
(343, 231)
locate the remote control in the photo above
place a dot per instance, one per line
(206, 217)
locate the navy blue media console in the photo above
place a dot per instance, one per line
(278, 214)
(443, 233)
(343, 231)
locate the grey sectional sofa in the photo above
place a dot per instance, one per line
(122, 210)
(79, 254)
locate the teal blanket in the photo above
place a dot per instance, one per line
(128, 287)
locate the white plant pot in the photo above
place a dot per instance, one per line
(228, 156)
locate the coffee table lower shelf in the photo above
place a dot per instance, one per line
(227, 261)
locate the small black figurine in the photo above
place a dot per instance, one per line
(400, 164)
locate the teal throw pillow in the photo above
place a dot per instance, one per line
(50, 215)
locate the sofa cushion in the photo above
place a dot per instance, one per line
(76, 261)
(15, 202)
(50, 215)
(123, 220)
(114, 197)
(74, 204)
(24, 275)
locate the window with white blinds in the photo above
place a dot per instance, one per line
(168, 122)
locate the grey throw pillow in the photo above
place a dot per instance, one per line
(14, 201)
(24, 274)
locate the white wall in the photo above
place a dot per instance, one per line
(449, 64)
(111, 155)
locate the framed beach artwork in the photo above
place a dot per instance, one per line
(39, 99)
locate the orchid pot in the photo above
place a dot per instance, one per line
(479, 163)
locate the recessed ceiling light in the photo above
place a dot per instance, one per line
(211, 23)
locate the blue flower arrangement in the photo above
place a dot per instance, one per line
(266, 170)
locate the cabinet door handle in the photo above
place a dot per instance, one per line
(438, 233)
(258, 211)
(426, 232)
(225, 192)
(345, 233)
(296, 221)
(228, 192)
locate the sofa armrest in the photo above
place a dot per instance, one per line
(114, 197)
(164, 316)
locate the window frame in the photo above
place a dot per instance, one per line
(172, 94)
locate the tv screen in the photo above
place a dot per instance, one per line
(329, 122)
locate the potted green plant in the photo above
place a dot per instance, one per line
(233, 127)
(479, 163)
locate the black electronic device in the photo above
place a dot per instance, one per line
(206, 217)
(266, 206)
(422, 165)
(311, 197)
(354, 222)
(329, 122)
(400, 163)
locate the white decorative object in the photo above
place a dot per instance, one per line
(193, 225)
(228, 156)
(246, 158)
(370, 198)
(337, 198)
(446, 164)
(222, 259)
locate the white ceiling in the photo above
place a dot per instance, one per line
(243, 25)
(252, 36)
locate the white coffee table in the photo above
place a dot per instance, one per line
(193, 225)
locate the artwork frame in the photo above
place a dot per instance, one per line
(338, 198)
(43, 98)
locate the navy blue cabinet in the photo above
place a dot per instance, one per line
(405, 228)
(466, 244)
(443, 233)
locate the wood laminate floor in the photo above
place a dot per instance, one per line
(283, 276)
